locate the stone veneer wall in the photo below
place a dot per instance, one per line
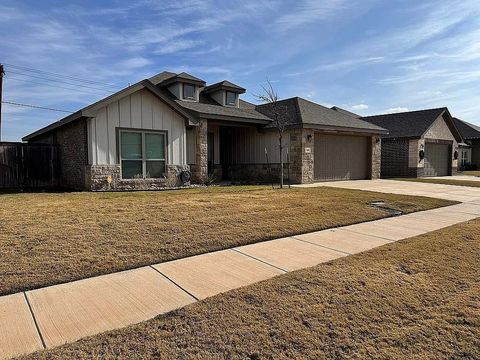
(97, 176)
(258, 173)
(200, 171)
(376, 157)
(301, 159)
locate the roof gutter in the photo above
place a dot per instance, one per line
(340, 129)
(233, 118)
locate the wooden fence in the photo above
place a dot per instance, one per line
(29, 166)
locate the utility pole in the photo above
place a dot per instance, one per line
(1, 98)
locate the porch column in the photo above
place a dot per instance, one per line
(375, 161)
(200, 172)
(301, 155)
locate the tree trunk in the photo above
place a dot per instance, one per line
(281, 160)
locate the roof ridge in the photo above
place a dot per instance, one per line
(470, 125)
(406, 112)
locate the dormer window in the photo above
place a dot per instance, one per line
(230, 98)
(189, 91)
(224, 93)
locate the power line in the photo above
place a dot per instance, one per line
(35, 107)
(55, 86)
(24, 68)
(58, 81)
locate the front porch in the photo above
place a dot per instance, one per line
(237, 153)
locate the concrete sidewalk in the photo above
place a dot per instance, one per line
(55, 315)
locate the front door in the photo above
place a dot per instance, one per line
(210, 151)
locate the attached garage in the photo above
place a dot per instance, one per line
(437, 159)
(327, 144)
(419, 143)
(341, 157)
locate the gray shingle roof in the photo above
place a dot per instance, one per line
(304, 113)
(225, 84)
(411, 124)
(346, 112)
(161, 77)
(208, 107)
(166, 77)
(186, 76)
(467, 130)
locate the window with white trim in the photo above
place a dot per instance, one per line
(230, 98)
(189, 91)
(464, 158)
(142, 154)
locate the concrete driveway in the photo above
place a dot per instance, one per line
(447, 192)
(458, 177)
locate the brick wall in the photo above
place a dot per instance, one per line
(395, 158)
(301, 159)
(72, 141)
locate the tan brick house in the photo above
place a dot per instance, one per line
(155, 133)
(419, 143)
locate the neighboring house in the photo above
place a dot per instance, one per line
(419, 143)
(148, 134)
(469, 157)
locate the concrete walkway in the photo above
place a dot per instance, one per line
(52, 316)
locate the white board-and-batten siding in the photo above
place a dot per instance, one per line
(140, 110)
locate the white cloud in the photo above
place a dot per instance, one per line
(397, 109)
(134, 63)
(359, 107)
(309, 11)
(349, 64)
(178, 45)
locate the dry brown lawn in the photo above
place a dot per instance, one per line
(443, 181)
(415, 299)
(470, 172)
(52, 238)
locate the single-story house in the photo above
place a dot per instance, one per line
(418, 143)
(151, 134)
(470, 151)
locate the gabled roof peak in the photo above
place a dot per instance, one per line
(224, 85)
(166, 78)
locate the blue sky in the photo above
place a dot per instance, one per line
(364, 55)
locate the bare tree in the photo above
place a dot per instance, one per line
(278, 112)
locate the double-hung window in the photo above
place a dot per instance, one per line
(189, 91)
(231, 98)
(142, 154)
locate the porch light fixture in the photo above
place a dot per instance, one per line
(421, 154)
(309, 137)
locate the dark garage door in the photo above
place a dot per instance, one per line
(340, 157)
(437, 158)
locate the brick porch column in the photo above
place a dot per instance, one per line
(301, 152)
(376, 151)
(200, 171)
